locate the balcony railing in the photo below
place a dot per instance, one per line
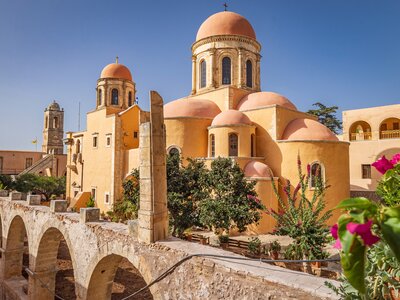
(390, 134)
(360, 136)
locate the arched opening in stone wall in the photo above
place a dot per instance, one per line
(16, 256)
(114, 277)
(53, 267)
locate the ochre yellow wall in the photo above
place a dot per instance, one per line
(189, 134)
(334, 157)
(130, 124)
(268, 199)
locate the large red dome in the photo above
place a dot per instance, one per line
(225, 23)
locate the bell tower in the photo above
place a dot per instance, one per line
(53, 130)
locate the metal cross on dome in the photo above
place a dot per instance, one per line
(225, 6)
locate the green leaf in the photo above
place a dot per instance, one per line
(353, 264)
(390, 228)
(357, 203)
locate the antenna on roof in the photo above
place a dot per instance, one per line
(225, 6)
(116, 59)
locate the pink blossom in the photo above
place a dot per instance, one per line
(383, 164)
(308, 169)
(395, 159)
(364, 231)
(334, 232)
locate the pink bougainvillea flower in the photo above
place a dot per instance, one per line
(334, 232)
(395, 159)
(364, 231)
(383, 164)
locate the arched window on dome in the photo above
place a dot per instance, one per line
(114, 97)
(100, 97)
(253, 145)
(317, 175)
(249, 73)
(130, 99)
(212, 145)
(233, 144)
(203, 74)
(226, 70)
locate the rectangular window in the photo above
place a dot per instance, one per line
(93, 193)
(396, 126)
(366, 171)
(107, 198)
(1, 164)
(28, 162)
(135, 134)
(95, 142)
(108, 140)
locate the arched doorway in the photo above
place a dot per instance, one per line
(114, 277)
(53, 268)
(16, 256)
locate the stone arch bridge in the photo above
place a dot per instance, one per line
(96, 248)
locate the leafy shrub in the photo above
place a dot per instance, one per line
(301, 218)
(127, 208)
(275, 246)
(90, 202)
(254, 245)
(223, 238)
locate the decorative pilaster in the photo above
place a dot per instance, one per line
(194, 75)
(212, 68)
(240, 68)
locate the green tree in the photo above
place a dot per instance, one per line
(232, 202)
(186, 187)
(6, 181)
(327, 116)
(128, 207)
(43, 185)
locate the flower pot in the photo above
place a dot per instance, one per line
(316, 264)
(274, 255)
(224, 245)
(203, 240)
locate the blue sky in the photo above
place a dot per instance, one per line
(338, 52)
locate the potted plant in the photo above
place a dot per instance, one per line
(203, 240)
(223, 241)
(254, 246)
(274, 249)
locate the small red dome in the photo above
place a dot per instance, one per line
(307, 129)
(231, 117)
(225, 23)
(116, 71)
(261, 99)
(257, 169)
(199, 108)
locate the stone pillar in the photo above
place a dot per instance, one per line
(240, 68)
(194, 75)
(153, 212)
(37, 283)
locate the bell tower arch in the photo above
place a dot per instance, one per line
(53, 130)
